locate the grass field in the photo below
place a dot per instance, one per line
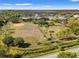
(33, 34)
(52, 30)
(29, 31)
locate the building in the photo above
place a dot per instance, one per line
(76, 16)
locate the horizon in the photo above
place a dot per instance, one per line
(43, 9)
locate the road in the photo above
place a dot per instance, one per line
(54, 55)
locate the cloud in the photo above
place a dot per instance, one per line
(26, 8)
(22, 4)
(74, 0)
(34, 7)
(37, 8)
(18, 4)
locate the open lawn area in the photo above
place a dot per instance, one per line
(29, 31)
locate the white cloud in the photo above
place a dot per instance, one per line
(26, 8)
(35, 8)
(74, 0)
(22, 4)
(18, 4)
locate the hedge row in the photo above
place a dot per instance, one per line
(70, 44)
(29, 51)
(47, 49)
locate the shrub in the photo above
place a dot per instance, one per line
(39, 43)
(67, 55)
(8, 40)
(3, 50)
(16, 53)
(18, 41)
(64, 33)
(46, 43)
(76, 30)
(49, 39)
(73, 23)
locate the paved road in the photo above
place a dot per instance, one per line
(54, 55)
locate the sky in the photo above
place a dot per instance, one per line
(39, 4)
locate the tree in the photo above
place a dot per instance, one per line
(67, 55)
(10, 16)
(2, 21)
(64, 33)
(57, 21)
(18, 41)
(43, 22)
(51, 23)
(8, 41)
(3, 50)
(15, 53)
(73, 23)
(76, 30)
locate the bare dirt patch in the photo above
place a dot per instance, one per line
(28, 31)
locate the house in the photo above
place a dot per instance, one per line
(76, 16)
